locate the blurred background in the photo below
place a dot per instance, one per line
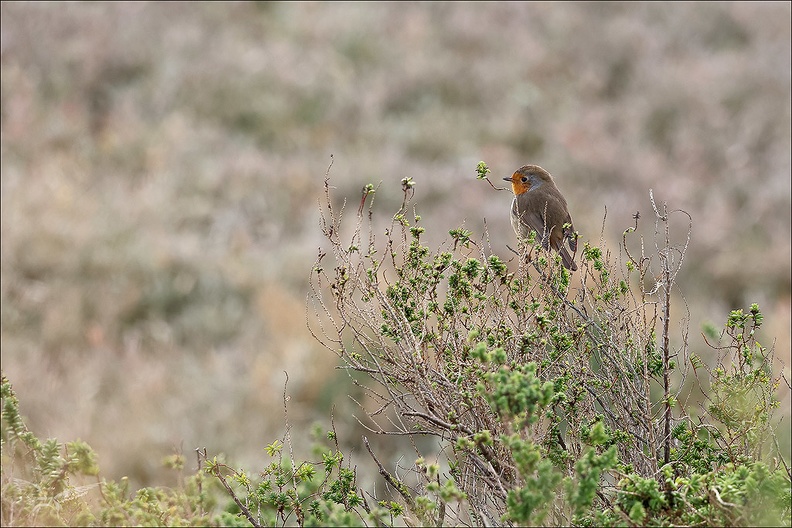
(162, 162)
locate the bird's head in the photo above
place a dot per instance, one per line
(528, 177)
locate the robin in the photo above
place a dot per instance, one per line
(539, 206)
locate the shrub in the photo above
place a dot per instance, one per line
(41, 485)
(555, 403)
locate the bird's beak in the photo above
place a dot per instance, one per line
(507, 179)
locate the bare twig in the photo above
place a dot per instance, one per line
(390, 479)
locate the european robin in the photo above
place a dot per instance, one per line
(539, 206)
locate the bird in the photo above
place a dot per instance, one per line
(539, 206)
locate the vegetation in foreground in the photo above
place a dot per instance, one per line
(555, 401)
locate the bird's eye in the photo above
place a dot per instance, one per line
(523, 179)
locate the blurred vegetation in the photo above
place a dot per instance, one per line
(160, 166)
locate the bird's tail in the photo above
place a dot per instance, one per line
(566, 260)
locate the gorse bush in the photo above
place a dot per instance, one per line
(304, 493)
(557, 400)
(41, 485)
(554, 398)
(41, 493)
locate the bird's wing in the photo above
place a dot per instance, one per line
(531, 213)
